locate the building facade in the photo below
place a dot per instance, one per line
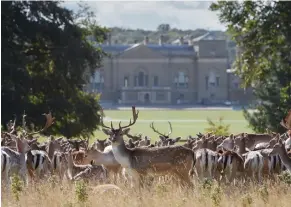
(187, 72)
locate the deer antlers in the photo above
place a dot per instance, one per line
(134, 114)
(286, 123)
(49, 121)
(164, 135)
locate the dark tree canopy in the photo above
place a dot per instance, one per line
(45, 57)
(262, 31)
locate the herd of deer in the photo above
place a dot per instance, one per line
(242, 156)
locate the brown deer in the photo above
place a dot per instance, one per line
(165, 139)
(138, 162)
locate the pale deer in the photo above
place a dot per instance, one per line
(139, 162)
(105, 158)
(279, 149)
(5, 167)
(83, 171)
(206, 160)
(19, 163)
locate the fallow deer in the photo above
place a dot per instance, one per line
(165, 139)
(105, 158)
(139, 162)
(279, 149)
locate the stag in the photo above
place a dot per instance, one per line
(165, 140)
(138, 162)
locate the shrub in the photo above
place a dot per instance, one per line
(219, 128)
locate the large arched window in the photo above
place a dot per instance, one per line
(97, 81)
(212, 80)
(141, 79)
(181, 80)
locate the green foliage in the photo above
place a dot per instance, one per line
(46, 61)
(264, 194)
(247, 200)
(262, 32)
(285, 177)
(216, 195)
(16, 186)
(163, 28)
(81, 191)
(218, 128)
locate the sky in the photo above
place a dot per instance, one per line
(149, 14)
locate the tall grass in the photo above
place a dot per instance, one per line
(158, 194)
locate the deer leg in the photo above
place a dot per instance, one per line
(7, 180)
(184, 177)
(135, 177)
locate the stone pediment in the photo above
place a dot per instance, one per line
(140, 51)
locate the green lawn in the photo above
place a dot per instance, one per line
(184, 122)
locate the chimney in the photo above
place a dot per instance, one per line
(181, 40)
(109, 39)
(161, 40)
(146, 40)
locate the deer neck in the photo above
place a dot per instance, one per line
(242, 147)
(102, 158)
(121, 153)
(284, 157)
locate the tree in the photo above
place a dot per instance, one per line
(164, 28)
(262, 31)
(45, 54)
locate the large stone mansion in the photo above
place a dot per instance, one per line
(193, 71)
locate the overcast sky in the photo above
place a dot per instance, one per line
(148, 15)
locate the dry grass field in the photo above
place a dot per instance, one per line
(168, 194)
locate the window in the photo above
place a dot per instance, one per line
(156, 80)
(160, 96)
(141, 79)
(217, 81)
(135, 80)
(236, 83)
(125, 82)
(206, 82)
(181, 81)
(211, 79)
(146, 80)
(97, 81)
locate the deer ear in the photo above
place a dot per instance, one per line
(231, 136)
(107, 131)
(177, 139)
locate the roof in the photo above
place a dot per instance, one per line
(165, 48)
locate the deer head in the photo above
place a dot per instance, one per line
(49, 121)
(22, 144)
(227, 143)
(116, 135)
(278, 147)
(161, 135)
